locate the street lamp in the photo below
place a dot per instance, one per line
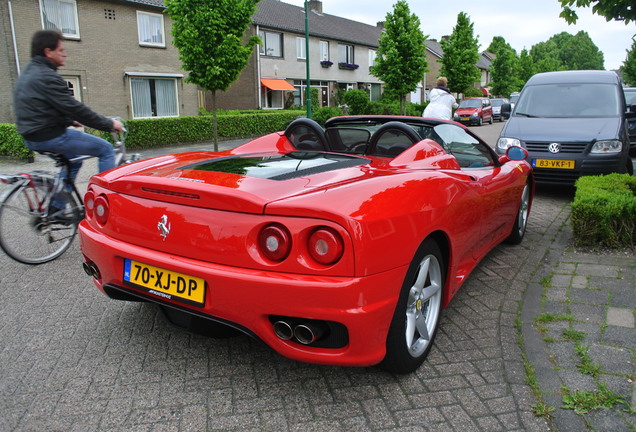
(308, 86)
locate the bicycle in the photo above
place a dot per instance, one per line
(28, 204)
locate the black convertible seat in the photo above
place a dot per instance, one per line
(306, 134)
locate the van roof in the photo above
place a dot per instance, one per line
(575, 76)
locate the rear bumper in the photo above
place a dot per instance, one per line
(248, 299)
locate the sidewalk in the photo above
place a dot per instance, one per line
(579, 330)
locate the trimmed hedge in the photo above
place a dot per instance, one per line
(11, 142)
(604, 211)
(148, 133)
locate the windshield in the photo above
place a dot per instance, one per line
(496, 102)
(569, 100)
(514, 99)
(630, 96)
(470, 103)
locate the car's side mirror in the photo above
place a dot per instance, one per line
(514, 153)
(506, 108)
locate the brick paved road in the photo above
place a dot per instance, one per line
(73, 360)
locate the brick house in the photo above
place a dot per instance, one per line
(121, 59)
(340, 54)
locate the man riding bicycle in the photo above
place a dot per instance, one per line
(45, 108)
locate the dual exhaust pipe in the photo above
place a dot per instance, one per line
(90, 268)
(304, 332)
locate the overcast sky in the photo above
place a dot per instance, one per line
(521, 23)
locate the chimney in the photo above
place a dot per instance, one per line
(315, 5)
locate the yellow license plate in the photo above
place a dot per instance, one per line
(553, 163)
(166, 284)
(464, 118)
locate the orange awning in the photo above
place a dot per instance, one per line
(277, 84)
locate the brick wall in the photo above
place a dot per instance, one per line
(108, 47)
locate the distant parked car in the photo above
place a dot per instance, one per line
(474, 111)
(496, 108)
(514, 97)
(630, 98)
(573, 123)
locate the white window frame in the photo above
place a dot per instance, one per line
(55, 4)
(264, 49)
(153, 113)
(301, 52)
(349, 53)
(152, 21)
(73, 83)
(372, 55)
(324, 50)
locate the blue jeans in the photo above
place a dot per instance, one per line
(74, 143)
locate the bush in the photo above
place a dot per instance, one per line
(473, 92)
(357, 100)
(147, 133)
(604, 211)
(11, 143)
(325, 113)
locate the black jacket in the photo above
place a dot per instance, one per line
(44, 106)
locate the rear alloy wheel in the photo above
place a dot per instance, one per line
(418, 311)
(481, 121)
(521, 220)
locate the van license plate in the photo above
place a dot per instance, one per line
(165, 284)
(553, 163)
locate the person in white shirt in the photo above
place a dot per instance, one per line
(442, 102)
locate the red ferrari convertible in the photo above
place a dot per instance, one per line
(338, 245)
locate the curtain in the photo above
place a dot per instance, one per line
(140, 89)
(60, 14)
(166, 97)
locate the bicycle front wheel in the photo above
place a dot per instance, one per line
(27, 234)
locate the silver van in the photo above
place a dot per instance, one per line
(573, 123)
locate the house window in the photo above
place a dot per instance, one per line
(74, 87)
(372, 54)
(60, 15)
(154, 97)
(345, 54)
(272, 44)
(150, 29)
(324, 50)
(301, 53)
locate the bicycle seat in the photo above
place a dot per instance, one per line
(57, 157)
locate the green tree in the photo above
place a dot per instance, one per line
(526, 68)
(401, 57)
(545, 56)
(618, 10)
(629, 66)
(579, 52)
(209, 36)
(461, 53)
(503, 70)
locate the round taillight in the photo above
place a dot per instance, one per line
(101, 210)
(89, 203)
(326, 246)
(275, 242)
